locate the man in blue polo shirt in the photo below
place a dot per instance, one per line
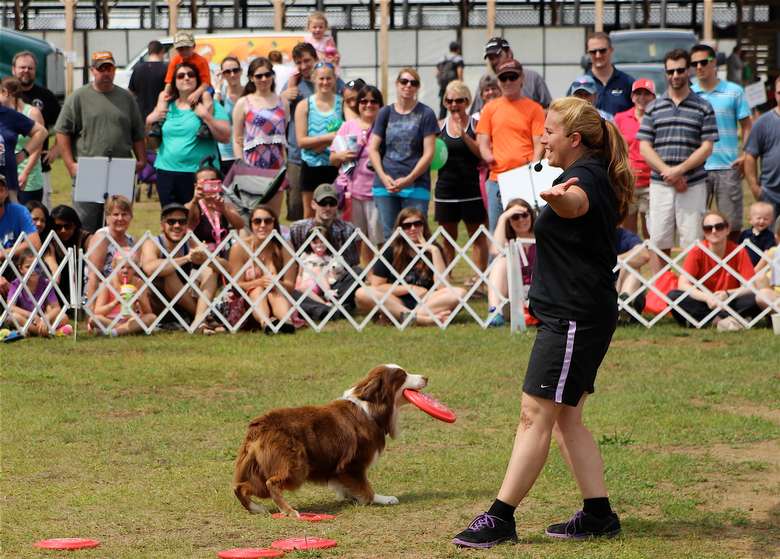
(725, 165)
(676, 138)
(613, 86)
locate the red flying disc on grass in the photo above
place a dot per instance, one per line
(292, 544)
(307, 516)
(67, 543)
(249, 553)
(430, 405)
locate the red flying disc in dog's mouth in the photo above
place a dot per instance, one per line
(67, 543)
(430, 405)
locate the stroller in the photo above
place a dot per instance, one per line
(147, 176)
(247, 186)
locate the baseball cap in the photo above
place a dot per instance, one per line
(510, 66)
(644, 83)
(183, 39)
(173, 207)
(495, 45)
(324, 191)
(101, 57)
(583, 83)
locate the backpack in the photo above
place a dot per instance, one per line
(446, 71)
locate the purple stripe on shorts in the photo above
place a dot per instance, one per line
(566, 361)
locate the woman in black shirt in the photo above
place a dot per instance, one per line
(573, 296)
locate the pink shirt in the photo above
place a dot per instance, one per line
(628, 125)
(359, 184)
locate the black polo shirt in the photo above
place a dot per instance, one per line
(46, 102)
(614, 96)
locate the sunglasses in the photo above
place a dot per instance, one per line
(262, 221)
(594, 52)
(678, 71)
(269, 74)
(512, 77)
(409, 224)
(170, 222)
(183, 75)
(406, 81)
(519, 215)
(720, 226)
(231, 71)
(331, 202)
(368, 102)
(458, 101)
(324, 65)
(702, 63)
(63, 226)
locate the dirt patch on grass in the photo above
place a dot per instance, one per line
(750, 409)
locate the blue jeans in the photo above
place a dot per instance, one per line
(390, 206)
(494, 207)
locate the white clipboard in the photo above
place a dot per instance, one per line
(100, 177)
(523, 182)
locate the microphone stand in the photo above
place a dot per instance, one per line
(537, 167)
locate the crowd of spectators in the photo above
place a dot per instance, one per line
(353, 164)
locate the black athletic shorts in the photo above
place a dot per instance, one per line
(472, 211)
(566, 357)
(312, 177)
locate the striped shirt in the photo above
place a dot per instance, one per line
(676, 131)
(728, 101)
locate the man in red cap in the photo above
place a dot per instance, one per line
(628, 122)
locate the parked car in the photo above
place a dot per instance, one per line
(50, 60)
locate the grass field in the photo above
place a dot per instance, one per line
(132, 441)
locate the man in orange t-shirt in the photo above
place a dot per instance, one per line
(509, 132)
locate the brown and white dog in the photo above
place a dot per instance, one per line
(334, 444)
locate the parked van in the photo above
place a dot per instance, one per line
(215, 47)
(50, 67)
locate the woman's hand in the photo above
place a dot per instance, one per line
(403, 182)
(558, 191)
(389, 183)
(158, 114)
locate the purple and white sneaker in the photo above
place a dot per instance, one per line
(486, 531)
(582, 526)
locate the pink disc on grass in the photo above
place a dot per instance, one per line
(292, 544)
(307, 516)
(249, 553)
(67, 543)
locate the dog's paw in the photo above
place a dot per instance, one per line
(385, 500)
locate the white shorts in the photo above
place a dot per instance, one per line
(365, 217)
(672, 211)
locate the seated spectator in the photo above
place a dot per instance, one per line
(209, 216)
(270, 306)
(174, 262)
(721, 285)
(762, 215)
(67, 226)
(418, 283)
(107, 242)
(517, 222)
(319, 270)
(325, 206)
(25, 305)
(634, 255)
(130, 313)
(42, 221)
(14, 220)
(769, 268)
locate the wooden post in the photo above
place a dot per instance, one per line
(384, 45)
(278, 15)
(70, 12)
(598, 16)
(707, 23)
(173, 17)
(491, 18)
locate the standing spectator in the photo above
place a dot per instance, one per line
(355, 179)
(12, 125)
(457, 195)
(676, 137)
(316, 123)
(585, 88)
(735, 65)
(488, 90)
(764, 143)
(228, 94)
(282, 71)
(99, 118)
(401, 150)
(628, 122)
(24, 69)
(509, 133)
(351, 90)
(14, 220)
(148, 78)
(448, 70)
(614, 86)
(182, 148)
(299, 87)
(725, 165)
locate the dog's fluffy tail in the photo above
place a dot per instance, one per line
(246, 469)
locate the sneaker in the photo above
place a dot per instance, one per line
(497, 321)
(729, 324)
(583, 525)
(486, 531)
